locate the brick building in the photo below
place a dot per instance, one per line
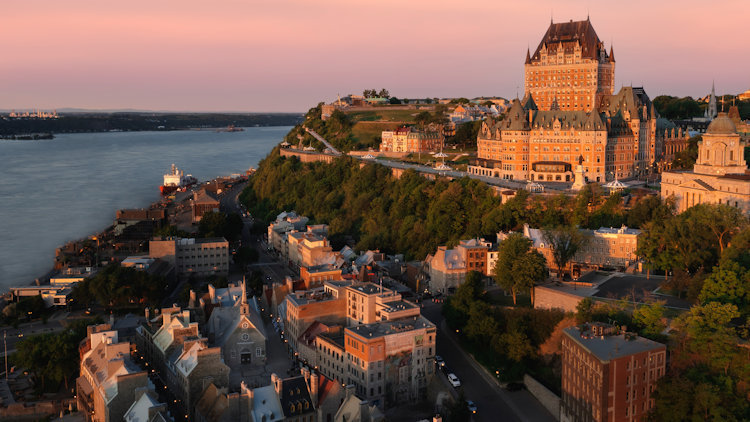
(570, 111)
(448, 267)
(203, 201)
(608, 375)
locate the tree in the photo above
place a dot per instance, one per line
(650, 317)
(728, 283)
(584, 310)
(519, 267)
(384, 93)
(394, 100)
(565, 242)
(423, 118)
(723, 220)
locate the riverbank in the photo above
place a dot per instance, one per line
(54, 191)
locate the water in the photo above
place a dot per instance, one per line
(54, 191)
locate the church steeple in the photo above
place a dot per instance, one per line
(528, 56)
(711, 110)
(611, 54)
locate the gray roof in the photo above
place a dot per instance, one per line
(383, 328)
(609, 347)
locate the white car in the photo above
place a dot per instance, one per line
(455, 382)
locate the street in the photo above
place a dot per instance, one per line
(493, 403)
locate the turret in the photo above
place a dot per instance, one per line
(611, 54)
(528, 56)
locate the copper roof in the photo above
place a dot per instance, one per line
(567, 35)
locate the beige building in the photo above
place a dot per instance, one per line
(107, 386)
(604, 247)
(448, 267)
(720, 174)
(303, 308)
(409, 139)
(203, 257)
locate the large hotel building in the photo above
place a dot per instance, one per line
(570, 112)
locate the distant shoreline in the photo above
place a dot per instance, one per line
(140, 122)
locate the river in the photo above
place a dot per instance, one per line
(53, 191)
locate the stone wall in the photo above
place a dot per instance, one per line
(548, 399)
(547, 298)
(307, 156)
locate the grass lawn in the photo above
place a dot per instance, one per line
(369, 132)
(377, 115)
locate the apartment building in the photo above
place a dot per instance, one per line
(608, 374)
(410, 139)
(390, 361)
(203, 257)
(325, 304)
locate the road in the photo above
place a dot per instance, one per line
(493, 181)
(321, 139)
(273, 270)
(493, 403)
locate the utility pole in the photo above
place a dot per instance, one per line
(5, 342)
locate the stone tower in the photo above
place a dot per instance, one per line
(711, 110)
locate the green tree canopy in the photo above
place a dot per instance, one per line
(519, 267)
(565, 242)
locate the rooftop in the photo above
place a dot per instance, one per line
(397, 305)
(384, 328)
(609, 347)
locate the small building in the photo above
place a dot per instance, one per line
(203, 201)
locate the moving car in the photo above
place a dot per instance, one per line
(453, 379)
(472, 406)
(439, 361)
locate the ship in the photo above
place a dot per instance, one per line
(230, 128)
(176, 180)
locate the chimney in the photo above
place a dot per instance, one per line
(531, 116)
(276, 381)
(191, 304)
(111, 319)
(248, 394)
(147, 314)
(314, 388)
(349, 391)
(289, 284)
(306, 373)
(364, 409)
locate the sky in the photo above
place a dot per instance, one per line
(288, 55)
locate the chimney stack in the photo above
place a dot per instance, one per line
(314, 388)
(276, 381)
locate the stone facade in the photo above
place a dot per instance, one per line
(202, 257)
(408, 139)
(720, 174)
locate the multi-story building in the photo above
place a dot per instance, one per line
(278, 230)
(390, 361)
(202, 257)
(107, 386)
(570, 67)
(448, 267)
(570, 114)
(720, 174)
(604, 247)
(608, 375)
(409, 139)
(146, 407)
(309, 249)
(173, 346)
(367, 303)
(303, 308)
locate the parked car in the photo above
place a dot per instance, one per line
(439, 361)
(453, 379)
(472, 406)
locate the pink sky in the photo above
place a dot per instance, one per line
(286, 55)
